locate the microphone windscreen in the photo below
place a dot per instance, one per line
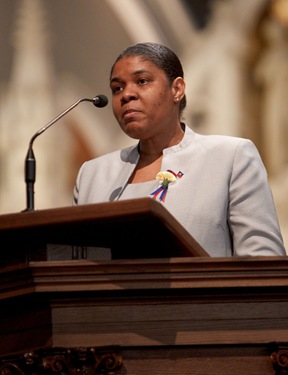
(100, 101)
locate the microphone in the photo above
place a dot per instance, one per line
(99, 101)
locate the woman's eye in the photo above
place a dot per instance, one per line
(142, 81)
(116, 89)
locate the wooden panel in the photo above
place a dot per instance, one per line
(25, 324)
(171, 323)
(167, 315)
(222, 360)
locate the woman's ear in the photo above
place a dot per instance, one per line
(178, 88)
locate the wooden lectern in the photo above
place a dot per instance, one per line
(137, 228)
(160, 306)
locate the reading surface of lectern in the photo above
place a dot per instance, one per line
(136, 228)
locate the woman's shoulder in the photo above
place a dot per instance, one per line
(225, 141)
(220, 145)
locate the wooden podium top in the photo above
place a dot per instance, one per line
(135, 228)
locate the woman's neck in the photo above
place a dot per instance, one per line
(153, 149)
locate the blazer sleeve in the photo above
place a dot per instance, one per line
(252, 214)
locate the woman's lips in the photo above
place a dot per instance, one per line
(130, 113)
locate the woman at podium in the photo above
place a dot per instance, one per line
(215, 186)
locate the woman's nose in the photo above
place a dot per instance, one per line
(128, 94)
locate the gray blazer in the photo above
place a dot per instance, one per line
(223, 198)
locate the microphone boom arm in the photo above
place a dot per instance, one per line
(30, 161)
(45, 127)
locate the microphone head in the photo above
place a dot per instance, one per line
(100, 101)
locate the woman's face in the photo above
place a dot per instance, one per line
(143, 101)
